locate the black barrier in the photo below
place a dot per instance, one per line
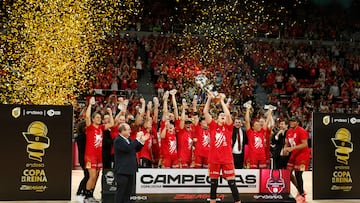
(336, 156)
(164, 185)
(36, 152)
(108, 186)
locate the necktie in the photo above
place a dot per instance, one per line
(239, 140)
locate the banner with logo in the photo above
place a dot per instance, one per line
(36, 152)
(336, 155)
(193, 185)
(191, 181)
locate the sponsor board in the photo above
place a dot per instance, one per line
(37, 147)
(155, 181)
(335, 154)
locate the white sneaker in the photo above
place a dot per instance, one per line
(91, 200)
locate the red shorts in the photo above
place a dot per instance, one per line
(256, 162)
(185, 162)
(170, 162)
(201, 161)
(299, 162)
(227, 170)
(93, 159)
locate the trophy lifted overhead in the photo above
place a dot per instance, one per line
(204, 84)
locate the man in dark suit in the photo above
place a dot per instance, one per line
(280, 158)
(126, 164)
(239, 140)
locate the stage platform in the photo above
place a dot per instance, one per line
(202, 198)
(77, 176)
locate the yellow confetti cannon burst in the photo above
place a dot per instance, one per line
(50, 48)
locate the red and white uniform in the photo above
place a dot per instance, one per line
(155, 147)
(256, 144)
(185, 142)
(169, 151)
(93, 148)
(146, 151)
(220, 152)
(267, 145)
(299, 159)
(202, 146)
(114, 132)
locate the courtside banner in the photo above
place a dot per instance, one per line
(192, 181)
(336, 155)
(36, 152)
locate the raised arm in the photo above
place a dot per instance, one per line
(247, 119)
(140, 115)
(165, 106)
(195, 111)
(156, 110)
(269, 119)
(206, 110)
(148, 110)
(174, 103)
(111, 122)
(163, 132)
(88, 111)
(183, 116)
(228, 118)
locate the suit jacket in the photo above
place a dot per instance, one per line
(279, 144)
(125, 155)
(244, 138)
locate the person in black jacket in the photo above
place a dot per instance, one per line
(126, 164)
(239, 140)
(280, 158)
(80, 141)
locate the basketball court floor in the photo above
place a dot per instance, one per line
(77, 176)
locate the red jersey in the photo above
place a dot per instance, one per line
(162, 141)
(220, 143)
(145, 151)
(267, 136)
(155, 143)
(169, 145)
(295, 136)
(185, 142)
(256, 142)
(94, 137)
(202, 144)
(114, 131)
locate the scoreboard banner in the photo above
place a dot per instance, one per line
(336, 155)
(36, 152)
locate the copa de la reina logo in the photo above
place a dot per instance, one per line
(34, 175)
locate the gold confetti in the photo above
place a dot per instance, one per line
(51, 48)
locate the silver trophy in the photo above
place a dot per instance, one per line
(203, 82)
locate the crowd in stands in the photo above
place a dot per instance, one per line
(299, 78)
(302, 20)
